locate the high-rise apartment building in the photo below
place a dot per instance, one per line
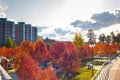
(34, 34)
(28, 32)
(7, 29)
(19, 32)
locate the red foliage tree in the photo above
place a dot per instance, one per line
(99, 48)
(86, 51)
(28, 69)
(3, 51)
(41, 52)
(49, 74)
(16, 51)
(26, 47)
(66, 56)
(110, 49)
(10, 53)
(0, 52)
(57, 50)
(105, 49)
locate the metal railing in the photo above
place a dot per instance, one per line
(104, 73)
(5, 75)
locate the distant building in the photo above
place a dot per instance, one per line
(19, 32)
(25, 32)
(34, 34)
(7, 29)
(28, 32)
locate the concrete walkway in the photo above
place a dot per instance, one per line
(115, 69)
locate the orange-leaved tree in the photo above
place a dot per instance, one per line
(26, 47)
(65, 55)
(49, 73)
(3, 51)
(28, 70)
(41, 52)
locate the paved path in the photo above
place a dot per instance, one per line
(103, 75)
(117, 76)
(115, 69)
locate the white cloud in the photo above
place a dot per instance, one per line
(3, 8)
(60, 13)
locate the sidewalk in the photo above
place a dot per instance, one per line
(117, 76)
(115, 70)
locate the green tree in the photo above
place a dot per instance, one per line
(102, 38)
(78, 40)
(10, 43)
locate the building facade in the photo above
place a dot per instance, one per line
(28, 32)
(25, 32)
(34, 34)
(18, 32)
(7, 29)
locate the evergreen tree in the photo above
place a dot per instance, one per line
(102, 38)
(10, 43)
(78, 40)
(118, 38)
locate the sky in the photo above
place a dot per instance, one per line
(61, 19)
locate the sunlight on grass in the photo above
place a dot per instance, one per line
(84, 74)
(11, 71)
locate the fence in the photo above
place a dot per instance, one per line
(104, 72)
(5, 75)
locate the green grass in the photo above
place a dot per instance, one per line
(11, 71)
(84, 74)
(97, 63)
(84, 62)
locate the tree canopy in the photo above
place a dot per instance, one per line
(78, 40)
(10, 43)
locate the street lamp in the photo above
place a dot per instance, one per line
(91, 42)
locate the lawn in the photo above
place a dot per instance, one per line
(84, 74)
(11, 71)
(97, 63)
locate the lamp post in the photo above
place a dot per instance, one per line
(91, 42)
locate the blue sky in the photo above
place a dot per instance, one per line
(60, 19)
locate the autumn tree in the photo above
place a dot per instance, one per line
(0, 51)
(57, 50)
(105, 49)
(84, 52)
(99, 49)
(16, 51)
(41, 51)
(10, 43)
(28, 70)
(10, 53)
(26, 47)
(78, 40)
(65, 56)
(110, 49)
(49, 73)
(3, 51)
